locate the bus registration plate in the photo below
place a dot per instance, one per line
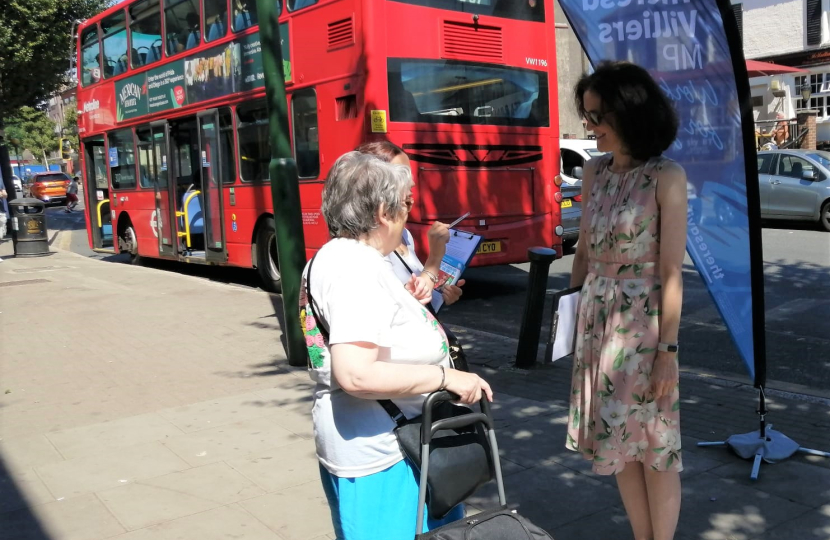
(567, 203)
(489, 247)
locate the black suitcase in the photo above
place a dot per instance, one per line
(500, 523)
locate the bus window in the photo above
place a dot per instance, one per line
(181, 20)
(114, 29)
(254, 146)
(523, 10)
(294, 5)
(226, 140)
(145, 33)
(90, 56)
(446, 92)
(306, 139)
(215, 18)
(245, 15)
(122, 159)
(145, 157)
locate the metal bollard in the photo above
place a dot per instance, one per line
(540, 259)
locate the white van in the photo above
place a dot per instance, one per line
(573, 155)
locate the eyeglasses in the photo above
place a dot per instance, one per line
(594, 117)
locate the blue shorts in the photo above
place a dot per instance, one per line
(381, 506)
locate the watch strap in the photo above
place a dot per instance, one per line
(668, 347)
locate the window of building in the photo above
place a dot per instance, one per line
(114, 30)
(90, 56)
(215, 22)
(226, 140)
(181, 24)
(122, 159)
(254, 146)
(820, 93)
(306, 136)
(145, 33)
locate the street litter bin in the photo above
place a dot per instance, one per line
(28, 226)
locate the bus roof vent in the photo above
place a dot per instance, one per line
(341, 34)
(466, 41)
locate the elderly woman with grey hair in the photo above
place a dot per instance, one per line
(368, 338)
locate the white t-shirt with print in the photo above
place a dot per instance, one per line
(360, 299)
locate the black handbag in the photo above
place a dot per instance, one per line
(496, 524)
(460, 459)
(457, 355)
(459, 454)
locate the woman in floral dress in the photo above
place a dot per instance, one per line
(624, 401)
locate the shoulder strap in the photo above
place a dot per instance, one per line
(408, 269)
(322, 325)
(391, 409)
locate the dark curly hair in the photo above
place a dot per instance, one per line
(643, 117)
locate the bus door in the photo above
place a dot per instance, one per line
(164, 214)
(211, 166)
(97, 193)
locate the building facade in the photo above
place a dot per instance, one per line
(793, 33)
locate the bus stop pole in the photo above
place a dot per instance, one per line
(285, 188)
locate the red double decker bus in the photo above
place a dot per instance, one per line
(174, 128)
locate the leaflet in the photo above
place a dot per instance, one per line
(460, 250)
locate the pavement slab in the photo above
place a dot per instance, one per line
(164, 498)
(220, 523)
(162, 408)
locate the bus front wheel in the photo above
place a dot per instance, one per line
(266, 256)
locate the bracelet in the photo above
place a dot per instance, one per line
(443, 378)
(431, 276)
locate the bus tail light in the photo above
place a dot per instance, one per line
(557, 196)
(557, 180)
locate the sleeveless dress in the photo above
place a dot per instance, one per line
(614, 418)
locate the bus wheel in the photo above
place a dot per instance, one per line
(129, 243)
(266, 257)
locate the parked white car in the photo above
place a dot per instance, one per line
(18, 186)
(573, 155)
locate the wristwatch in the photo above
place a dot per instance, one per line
(667, 347)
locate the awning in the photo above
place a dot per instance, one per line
(756, 68)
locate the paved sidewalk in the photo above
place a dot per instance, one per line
(143, 404)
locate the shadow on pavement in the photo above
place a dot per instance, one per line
(18, 521)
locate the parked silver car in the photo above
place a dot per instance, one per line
(795, 185)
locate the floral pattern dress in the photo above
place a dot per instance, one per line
(614, 418)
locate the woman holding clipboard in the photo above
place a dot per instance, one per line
(420, 279)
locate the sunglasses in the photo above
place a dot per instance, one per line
(594, 117)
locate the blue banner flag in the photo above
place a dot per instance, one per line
(693, 50)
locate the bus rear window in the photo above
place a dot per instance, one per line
(443, 92)
(523, 10)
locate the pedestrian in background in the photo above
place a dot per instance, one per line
(368, 338)
(404, 260)
(72, 194)
(624, 413)
(4, 210)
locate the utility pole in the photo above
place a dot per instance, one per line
(285, 188)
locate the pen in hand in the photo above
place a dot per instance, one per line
(457, 221)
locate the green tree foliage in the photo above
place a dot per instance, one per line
(35, 45)
(35, 131)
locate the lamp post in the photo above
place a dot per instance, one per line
(806, 92)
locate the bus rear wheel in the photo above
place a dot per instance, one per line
(128, 242)
(266, 257)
